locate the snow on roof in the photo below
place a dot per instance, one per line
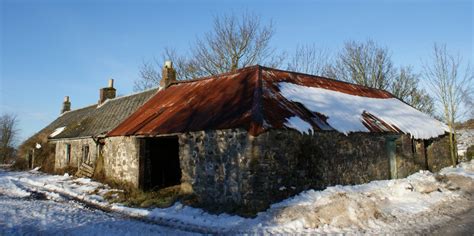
(258, 99)
(57, 131)
(297, 123)
(344, 111)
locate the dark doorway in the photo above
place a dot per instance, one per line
(391, 147)
(161, 164)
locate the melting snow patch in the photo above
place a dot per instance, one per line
(57, 132)
(297, 123)
(344, 111)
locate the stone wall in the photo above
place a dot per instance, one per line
(411, 156)
(214, 166)
(76, 152)
(437, 152)
(288, 162)
(121, 160)
(232, 168)
(228, 169)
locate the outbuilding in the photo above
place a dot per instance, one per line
(257, 135)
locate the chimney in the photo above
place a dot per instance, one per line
(107, 93)
(168, 75)
(66, 105)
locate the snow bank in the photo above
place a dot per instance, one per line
(464, 169)
(344, 111)
(377, 207)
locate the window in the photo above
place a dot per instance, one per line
(85, 153)
(68, 153)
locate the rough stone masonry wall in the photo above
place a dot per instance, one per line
(289, 162)
(411, 156)
(214, 166)
(231, 168)
(121, 160)
(76, 152)
(228, 169)
(437, 151)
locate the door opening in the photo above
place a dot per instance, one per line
(391, 152)
(162, 168)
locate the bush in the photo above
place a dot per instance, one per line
(470, 153)
(44, 156)
(161, 198)
(20, 164)
(99, 172)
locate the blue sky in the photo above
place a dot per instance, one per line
(50, 49)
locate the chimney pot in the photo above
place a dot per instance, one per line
(111, 83)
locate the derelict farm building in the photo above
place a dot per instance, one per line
(257, 135)
(77, 134)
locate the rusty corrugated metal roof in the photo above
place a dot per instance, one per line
(248, 98)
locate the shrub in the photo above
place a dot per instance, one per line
(20, 164)
(161, 198)
(99, 173)
(44, 156)
(470, 153)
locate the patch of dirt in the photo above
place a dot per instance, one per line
(38, 196)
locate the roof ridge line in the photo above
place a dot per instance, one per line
(216, 76)
(321, 77)
(97, 106)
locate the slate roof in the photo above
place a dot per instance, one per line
(248, 98)
(95, 120)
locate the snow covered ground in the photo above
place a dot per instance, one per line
(40, 203)
(26, 210)
(465, 139)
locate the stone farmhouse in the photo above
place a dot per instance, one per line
(251, 137)
(77, 133)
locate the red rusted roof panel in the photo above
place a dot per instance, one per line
(220, 102)
(248, 98)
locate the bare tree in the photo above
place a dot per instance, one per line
(309, 59)
(8, 136)
(405, 87)
(363, 63)
(234, 42)
(448, 84)
(150, 71)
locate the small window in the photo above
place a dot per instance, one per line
(68, 153)
(85, 153)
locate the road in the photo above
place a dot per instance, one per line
(461, 225)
